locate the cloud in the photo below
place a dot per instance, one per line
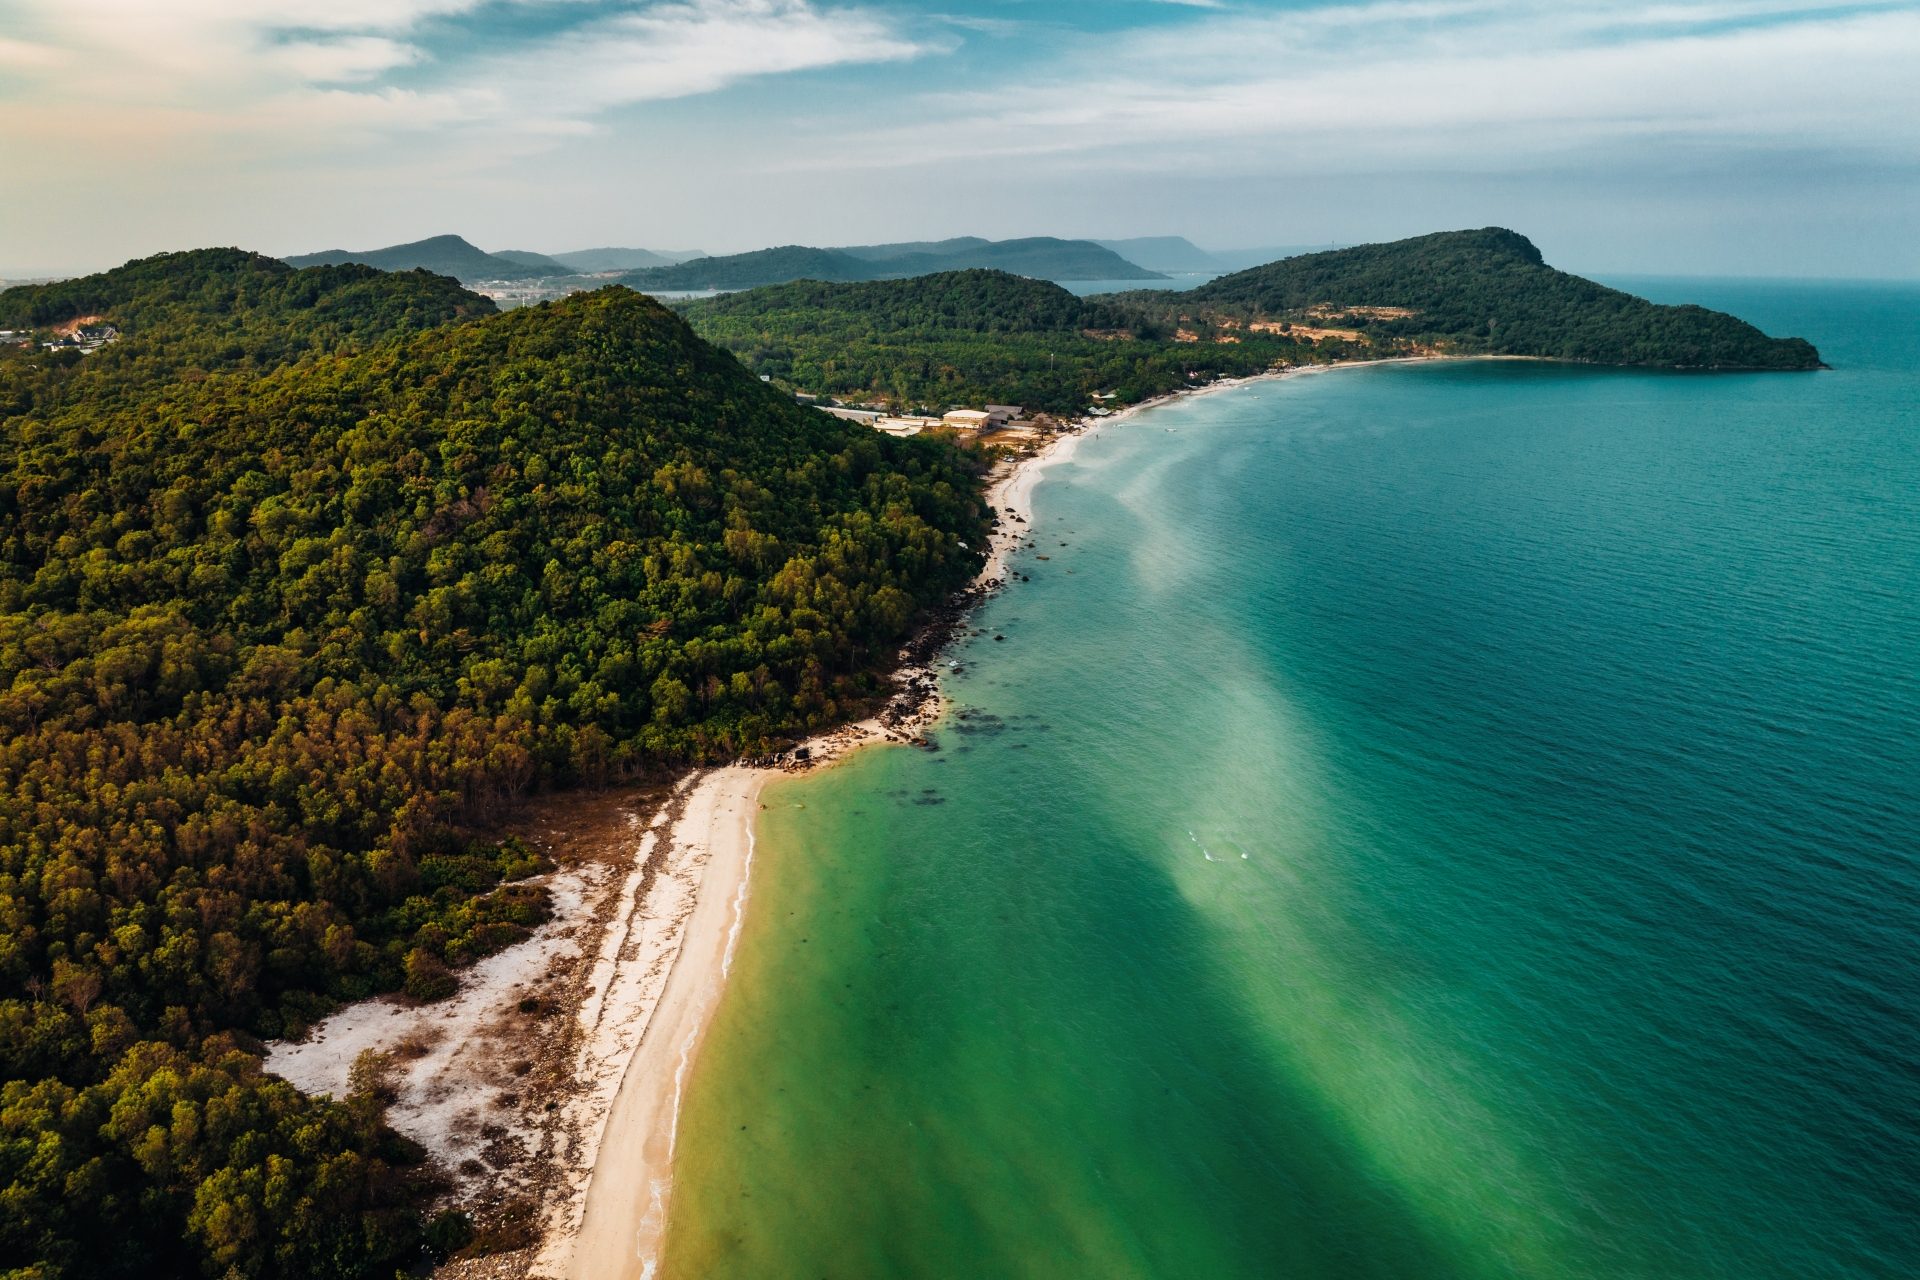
(683, 49)
(348, 58)
(1424, 84)
(133, 125)
(261, 66)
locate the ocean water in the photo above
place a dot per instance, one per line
(1456, 820)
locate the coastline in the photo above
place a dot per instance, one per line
(623, 1167)
(631, 1158)
(626, 1167)
(563, 1122)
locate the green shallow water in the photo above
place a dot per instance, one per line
(1439, 821)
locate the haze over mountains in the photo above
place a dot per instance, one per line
(1043, 257)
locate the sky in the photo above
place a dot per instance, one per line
(1708, 137)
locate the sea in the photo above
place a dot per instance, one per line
(1442, 820)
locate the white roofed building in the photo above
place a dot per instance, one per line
(968, 419)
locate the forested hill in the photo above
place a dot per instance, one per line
(975, 301)
(972, 337)
(278, 638)
(975, 337)
(1489, 291)
(223, 308)
(749, 270)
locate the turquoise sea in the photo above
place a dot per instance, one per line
(1454, 820)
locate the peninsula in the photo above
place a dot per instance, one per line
(978, 337)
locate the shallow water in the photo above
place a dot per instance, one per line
(1454, 820)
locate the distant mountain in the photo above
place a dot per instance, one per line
(442, 255)
(1175, 255)
(596, 261)
(1041, 257)
(538, 261)
(1489, 291)
(750, 270)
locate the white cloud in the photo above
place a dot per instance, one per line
(681, 49)
(1412, 84)
(344, 59)
(134, 125)
(253, 64)
(19, 55)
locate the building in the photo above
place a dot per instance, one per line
(1000, 415)
(968, 419)
(867, 416)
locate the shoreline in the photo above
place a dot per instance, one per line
(626, 1166)
(549, 1086)
(637, 1141)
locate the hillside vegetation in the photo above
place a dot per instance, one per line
(1489, 292)
(301, 582)
(970, 337)
(976, 337)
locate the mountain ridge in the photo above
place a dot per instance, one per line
(446, 255)
(1043, 257)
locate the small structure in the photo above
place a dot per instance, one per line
(968, 419)
(86, 339)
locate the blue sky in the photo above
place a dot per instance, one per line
(1758, 137)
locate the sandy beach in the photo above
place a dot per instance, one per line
(622, 1218)
(568, 1118)
(612, 1224)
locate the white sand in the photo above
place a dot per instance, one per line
(638, 949)
(465, 1107)
(615, 1229)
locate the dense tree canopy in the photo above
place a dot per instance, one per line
(1489, 291)
(300, 582)
(977, 337)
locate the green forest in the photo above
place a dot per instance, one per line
(303, 582)
(979, 337)
(1489, 292)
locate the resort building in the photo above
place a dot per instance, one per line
(968, 419)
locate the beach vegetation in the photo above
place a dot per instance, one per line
(303, 584)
